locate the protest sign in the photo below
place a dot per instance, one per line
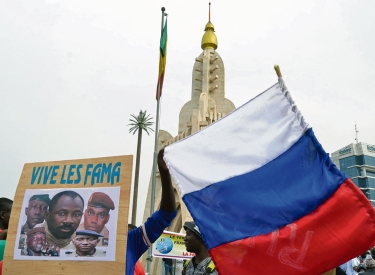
(171, 245)
(66, 217)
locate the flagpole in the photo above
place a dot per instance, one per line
(149, 257)
(278, 71)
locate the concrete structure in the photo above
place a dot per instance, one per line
(357, 161)
(207, 105)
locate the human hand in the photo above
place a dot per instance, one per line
(161, 163)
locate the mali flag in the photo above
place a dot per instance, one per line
(162, 59)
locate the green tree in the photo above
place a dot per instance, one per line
(139, 123)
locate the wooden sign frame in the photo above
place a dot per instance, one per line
(72, 174)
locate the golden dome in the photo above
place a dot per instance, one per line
(209, 39)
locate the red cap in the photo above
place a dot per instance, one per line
(101, 200)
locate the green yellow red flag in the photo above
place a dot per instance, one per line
(162, 59)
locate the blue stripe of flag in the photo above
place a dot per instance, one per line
(268, 198)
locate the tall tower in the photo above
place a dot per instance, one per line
(208, 102)
(207, 105)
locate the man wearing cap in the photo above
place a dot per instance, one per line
(141, 238)
(201, 263)
(63, 218)
(35, 211)
(97, 215)
(37, 244)
(85, 242)
(35, 241)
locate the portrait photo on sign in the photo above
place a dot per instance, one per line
(77, 224)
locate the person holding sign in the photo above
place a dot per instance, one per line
(141, 238)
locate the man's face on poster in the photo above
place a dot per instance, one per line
(65, 216)
(36, 242)
(35, 212)
(85, 244)
(96, 218)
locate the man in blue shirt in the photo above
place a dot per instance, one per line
(141, 238)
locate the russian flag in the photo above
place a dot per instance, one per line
(266, 196)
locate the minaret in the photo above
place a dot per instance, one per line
(207, 105)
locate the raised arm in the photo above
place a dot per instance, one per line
(167, 195)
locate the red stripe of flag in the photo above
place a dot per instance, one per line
(328, 235)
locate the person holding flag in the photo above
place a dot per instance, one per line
(266, 191)
(141, 238)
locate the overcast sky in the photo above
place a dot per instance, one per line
(72, 72)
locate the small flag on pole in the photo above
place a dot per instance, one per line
(162, 59)
(266, 196)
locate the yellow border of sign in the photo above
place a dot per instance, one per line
(11, 266)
